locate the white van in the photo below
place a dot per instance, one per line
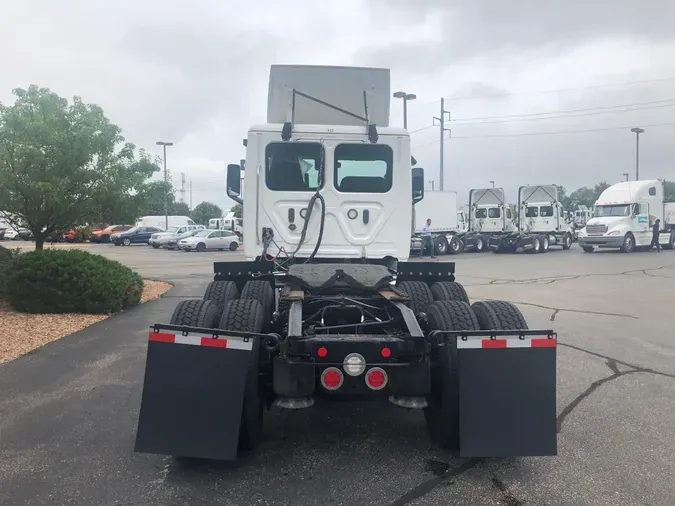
(160, 221)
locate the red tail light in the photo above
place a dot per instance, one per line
(376, 378)
(332, 378)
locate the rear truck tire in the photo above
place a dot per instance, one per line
(126, 241)
(261, 291)
(442, 411)
(567, 241)
(588, 249)
(246, 315)
(628, 245)
(419, 292)
(441, 245)
(195, 313)
(201, 247)
(221, 293)
(449, 290)
(545, 244)
(234, 246)
(498, 315)
(480, 244)
(454, 246)
(536, 244)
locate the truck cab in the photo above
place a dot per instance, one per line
(624, 216)
(489, 212)
(321, 180)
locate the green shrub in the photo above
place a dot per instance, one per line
(71, 281)
(6, 257)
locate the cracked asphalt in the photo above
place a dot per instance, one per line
(68, 412)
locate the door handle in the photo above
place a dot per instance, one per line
(291, 215)
(366, 216)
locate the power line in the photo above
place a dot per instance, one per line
(560, 132)
(566, 111)
(561, 90)
(571, 114)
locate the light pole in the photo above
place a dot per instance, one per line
(637, 131)
(431, 182)
(166, 180)
(493, 183)
(625, 174)
(406, 97)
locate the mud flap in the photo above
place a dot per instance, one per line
(193, 395)
(507, 395)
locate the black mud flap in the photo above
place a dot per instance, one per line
(507, 394)
(193, 394)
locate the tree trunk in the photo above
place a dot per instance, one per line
(39, 241)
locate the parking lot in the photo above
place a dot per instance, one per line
(67, 419)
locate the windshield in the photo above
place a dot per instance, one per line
(481, 213)
(620, 210)
(203, 233)
(293, 167)
(363, 168)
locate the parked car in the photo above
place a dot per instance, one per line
(79, 234)
(162, 238)
(135, 235)
(210, 239)
(104, 235)
(172, 243)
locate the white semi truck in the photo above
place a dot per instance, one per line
(327, 304)
(489, 216)
(581, 216)
(624, 216)
(541, 223)
(448, 224)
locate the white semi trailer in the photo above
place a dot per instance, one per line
(624, 216)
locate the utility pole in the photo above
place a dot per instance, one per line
(625, 174)
(637, 131)
(166, 180)
(493, 183)
(190, 195)
(182, 187)
(442, 120)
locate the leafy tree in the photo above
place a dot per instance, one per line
(151, 198)
(180, 209)
(237, 210)
(58, 160)
(205, 211)
(669, 190)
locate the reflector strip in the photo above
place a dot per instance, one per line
(477, 342)
(230, 342)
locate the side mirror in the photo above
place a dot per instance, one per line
(234, 182)
(417, 184)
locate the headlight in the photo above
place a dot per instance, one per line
(613, 232)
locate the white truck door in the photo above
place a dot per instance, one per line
(641, 218)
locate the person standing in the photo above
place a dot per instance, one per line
(426, 239)
(655, 236)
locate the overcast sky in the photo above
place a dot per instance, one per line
(195, 73)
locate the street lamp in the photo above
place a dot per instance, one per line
(493, 183)
(166, 180)
(637, 131)
(625, 174)
(431, 182)
(406, 97)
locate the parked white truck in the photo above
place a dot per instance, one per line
(624, 216)
(581, 216)
(229, 223)
(541, 223)
(489, 216)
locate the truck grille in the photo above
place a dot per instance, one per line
(596, 229)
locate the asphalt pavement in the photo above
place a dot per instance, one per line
(68, 412)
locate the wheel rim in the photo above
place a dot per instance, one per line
(568, 240)
(454, 245)
(479, 244)
(441, 247)
(629, 242)
(127, 242)
(536, 244)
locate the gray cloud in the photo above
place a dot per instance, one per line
(471, 28)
